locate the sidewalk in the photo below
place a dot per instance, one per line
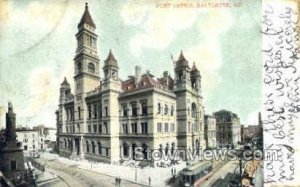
(158, 175)
(44, 177)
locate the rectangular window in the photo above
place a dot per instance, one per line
(100, 111)
(100, 128)
(134, 128)
(172, 110)
(107, 151)
(144, 127)
(95, 128)
(172, 127)
(158, 108)
(89, 128)
(144, 109)
(159, 128)
(166, 127)
(125, 128)
(105, 127)
(125, 111)
(134, 109)
(106, 111)
(95, 111)
(90, 111)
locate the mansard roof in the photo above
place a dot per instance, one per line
(166, 82)
(111, 60)
(225, 115)
(147, 80)
(86, 18)
(181, 62)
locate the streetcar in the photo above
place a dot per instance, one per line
(195, 174)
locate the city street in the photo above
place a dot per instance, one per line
(74, 176)
(230, 166)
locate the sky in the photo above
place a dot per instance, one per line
(37, 40)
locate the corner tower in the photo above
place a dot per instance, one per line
(87, 75)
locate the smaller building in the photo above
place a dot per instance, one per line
(47, 137)
(228, 128)
(250, 132)
(30, 139)
(210, 131)
(36, 139)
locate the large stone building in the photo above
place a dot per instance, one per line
(210, 131)
(104, 117)
(228, 128)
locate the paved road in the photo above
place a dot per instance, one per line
(230, 166)
(74, 176)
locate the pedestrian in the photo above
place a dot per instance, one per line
(119, 181)
(149, 181)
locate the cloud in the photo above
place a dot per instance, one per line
(252, 118)
(158, 27)
(207, 54)
(42, 89)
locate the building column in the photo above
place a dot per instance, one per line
(73, 146)
(81, 149)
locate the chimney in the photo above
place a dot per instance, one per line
(166, 80)
(137, 74)
(165, 74)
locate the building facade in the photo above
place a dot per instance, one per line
(106, 118)
(30, 139)
(210, 131)
(228, 128)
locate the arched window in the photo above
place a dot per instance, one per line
(133, 151)
(194, 110)
(125, 111)
(145, 147)
(91, 68)
(166, 109)
(144, 109)
(87, 147)
(93, 147)
(79, 113)
(172, 110)
(99, 148)
(125, 149)
(158, 108)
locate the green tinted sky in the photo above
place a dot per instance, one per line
(38, 45)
